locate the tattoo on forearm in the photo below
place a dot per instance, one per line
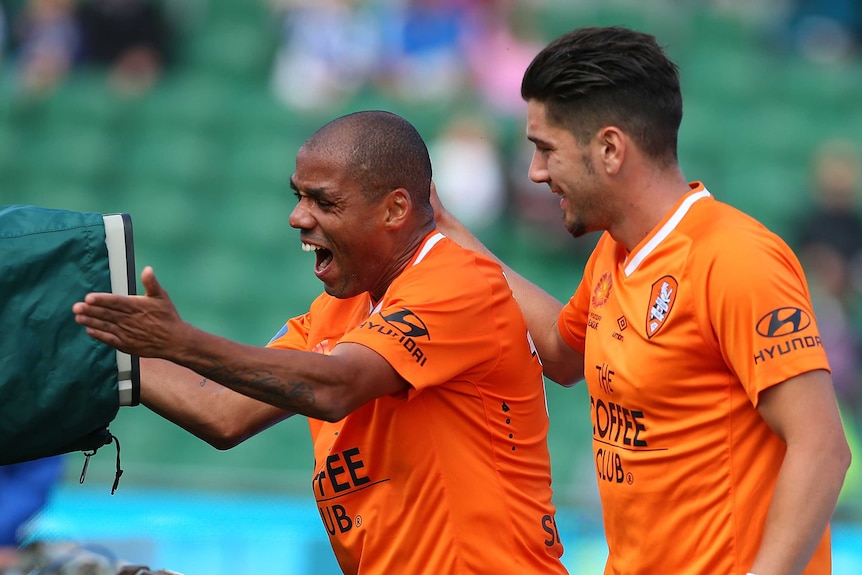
(262, 384)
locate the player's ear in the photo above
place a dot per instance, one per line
(398, 204)
(612, 149)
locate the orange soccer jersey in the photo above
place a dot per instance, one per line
(680, 337)
(454, 475)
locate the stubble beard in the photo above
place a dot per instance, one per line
(575, 227)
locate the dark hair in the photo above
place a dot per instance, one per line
(382, 151)
(599, 76)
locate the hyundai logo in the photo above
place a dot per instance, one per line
(407, 323)
(783, 321)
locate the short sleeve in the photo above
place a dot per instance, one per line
(436, 328)
(572, 321)
(293, 334)
(760, 310)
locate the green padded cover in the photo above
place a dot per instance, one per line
(58, 386)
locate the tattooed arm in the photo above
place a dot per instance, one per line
(321, 386)
(218, 415)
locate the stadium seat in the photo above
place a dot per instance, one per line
(184, 158)
(79, 153)
(238, 50)
(193, 102)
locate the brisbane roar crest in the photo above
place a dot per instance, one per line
(662, 298)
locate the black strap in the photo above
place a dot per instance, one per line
(119, 470)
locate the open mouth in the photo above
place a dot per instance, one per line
(323, 255)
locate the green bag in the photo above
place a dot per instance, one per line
(60, 388)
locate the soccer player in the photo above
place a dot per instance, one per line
(717, 440)
(424, 394)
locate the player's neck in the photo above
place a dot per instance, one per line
(644, 206)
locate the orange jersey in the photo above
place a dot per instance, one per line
(680, 337)
(454, 475)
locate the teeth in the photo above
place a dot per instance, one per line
(309, 247)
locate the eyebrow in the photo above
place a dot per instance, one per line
(312, 193)
(539, 141)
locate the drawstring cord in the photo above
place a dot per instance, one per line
(119, 472)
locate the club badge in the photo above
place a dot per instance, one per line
(662, 297)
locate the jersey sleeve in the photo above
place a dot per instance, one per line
(293, 334)
(760, 310)
(572, 321)
(573, 318)
(437, 327)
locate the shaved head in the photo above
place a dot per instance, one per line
(381, 151)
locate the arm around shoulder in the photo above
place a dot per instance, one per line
(561, 363)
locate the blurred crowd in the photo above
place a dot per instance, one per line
(424, 52)
(828, 239)
(825, 31)
(46, 40)
(326, 53)
(418, 50)
(421, 50)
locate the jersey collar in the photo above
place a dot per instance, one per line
(430, 241)
(698, 192)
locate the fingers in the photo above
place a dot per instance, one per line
(436, 204)
(95, 309)
(100, 321)
(435, 199)
(119, 303)
(140, 325)
(151, 284)
(104, 336)
(102, 330)
(128, 331)
(122, 303)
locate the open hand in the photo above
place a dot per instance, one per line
(146, 326)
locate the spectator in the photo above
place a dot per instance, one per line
(469, 172)
(829, 239)
(24, 491)
(47, 43)
(825, 31)
(3, 34)
(425, 48)
(132, 39)
(835, 216)
(326, 52)
(497, 55)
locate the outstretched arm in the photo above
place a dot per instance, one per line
(804, 413)
(220, 416)
(320, 386)
(560, 362)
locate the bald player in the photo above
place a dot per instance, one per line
(423, 392)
